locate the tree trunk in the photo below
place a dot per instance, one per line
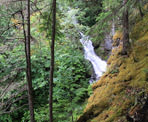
(126, 44)
(28, 63)
(140, 11)
(72, 119)
(52, 61)
(35, 2)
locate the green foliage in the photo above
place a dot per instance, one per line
(70, 86)
(146, 70)
(88, 11)
(40, 67)
(41, 114)
(6, 118)
(114, 71)
(46, 23)
(90, 91)
(4, 24)
(71, 70)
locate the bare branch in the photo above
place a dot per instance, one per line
(18, 108)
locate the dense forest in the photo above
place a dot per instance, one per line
(73, 60)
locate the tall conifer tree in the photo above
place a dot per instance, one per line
(52, 61)
(126, 44)
(28, 63)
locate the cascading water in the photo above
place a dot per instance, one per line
(99, 65)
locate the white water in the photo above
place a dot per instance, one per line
(98, 64)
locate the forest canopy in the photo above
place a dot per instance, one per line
(43, 63)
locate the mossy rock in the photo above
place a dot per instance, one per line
(114, 95)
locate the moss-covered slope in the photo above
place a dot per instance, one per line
(121, 93)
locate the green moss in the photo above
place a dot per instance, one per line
(115, 93)
(140, 29)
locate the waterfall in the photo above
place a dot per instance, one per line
(98, 64)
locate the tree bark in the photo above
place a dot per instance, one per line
(28, 63)
(126, 43)
(140, 11)
(52, 62)
(35, 2)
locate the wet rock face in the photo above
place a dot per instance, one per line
(104, 48)
(108, 43)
